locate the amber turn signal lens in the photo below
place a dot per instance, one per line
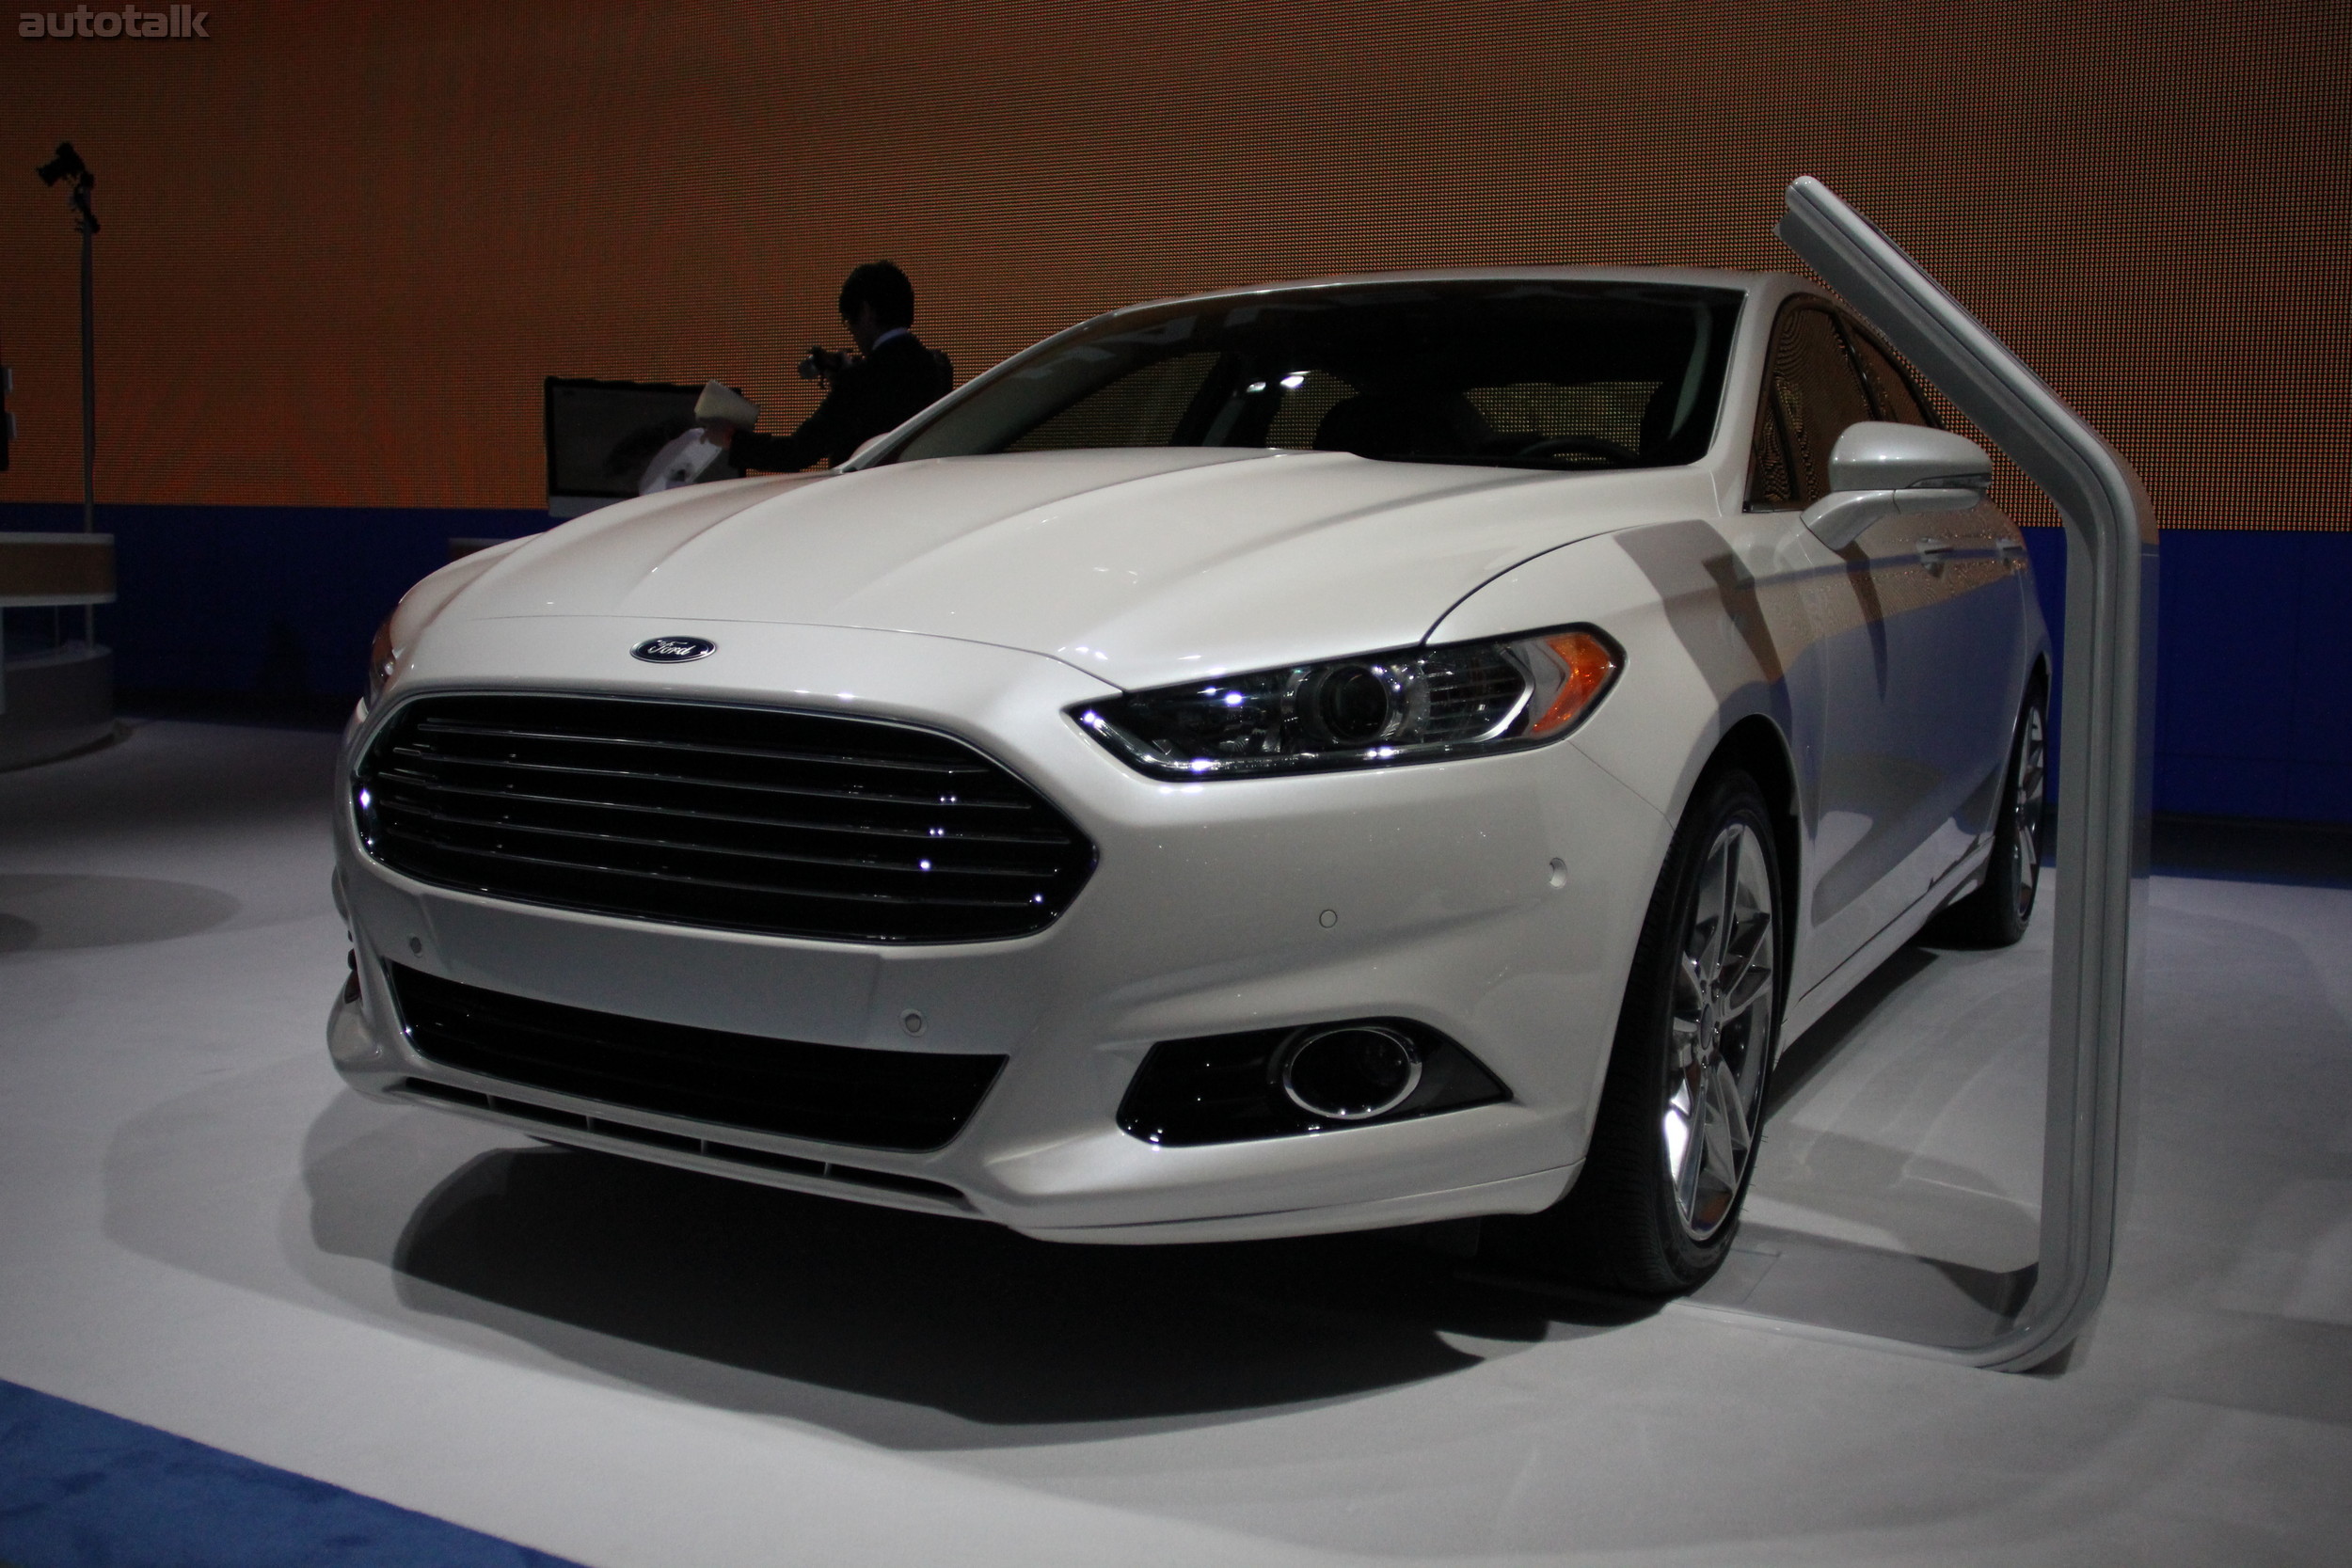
(1584, 666)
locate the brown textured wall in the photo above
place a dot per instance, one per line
(343, 244)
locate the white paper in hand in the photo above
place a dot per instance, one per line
(722, 401)
(684, 461)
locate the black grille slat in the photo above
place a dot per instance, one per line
(734, 818)
(768, 754)
(900, 1099)
(716, 884)
(674, 793)
(869, 830)
(418, 754)
(686, 847)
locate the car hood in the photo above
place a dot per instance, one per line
(1141, 566)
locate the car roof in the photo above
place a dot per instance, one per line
(1699, 277)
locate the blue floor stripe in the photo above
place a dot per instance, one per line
(82, 1489)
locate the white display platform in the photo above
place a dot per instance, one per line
(627, 1367)
(60, 700)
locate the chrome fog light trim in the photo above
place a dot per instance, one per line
(1300, 1079)
(1351, 1073)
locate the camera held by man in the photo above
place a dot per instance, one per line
(823, 364)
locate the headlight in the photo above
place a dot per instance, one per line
(382, 659)
(1408, 705)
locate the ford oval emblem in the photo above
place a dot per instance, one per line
(674, 650)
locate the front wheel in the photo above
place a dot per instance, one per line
(1682, 1109)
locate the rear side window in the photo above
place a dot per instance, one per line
(1812, 392)
(1770, 486)
(1891, 391)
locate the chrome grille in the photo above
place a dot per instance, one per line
(699, 813)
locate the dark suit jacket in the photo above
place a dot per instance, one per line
(880, 392)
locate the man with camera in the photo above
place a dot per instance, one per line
(890, 379)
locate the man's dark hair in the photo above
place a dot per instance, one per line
(882, 285)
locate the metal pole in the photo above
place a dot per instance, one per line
(87, 221)
(2106, 742)
(68, 165)
(90, 384)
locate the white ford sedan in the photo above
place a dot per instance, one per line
(1344, 754)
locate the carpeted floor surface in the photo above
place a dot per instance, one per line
(83, 1489)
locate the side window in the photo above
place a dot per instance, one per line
(1770, 486)
(1813, 392)
(1891, 391)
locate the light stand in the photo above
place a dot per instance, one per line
(68, 165)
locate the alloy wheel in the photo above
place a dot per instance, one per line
(2026, 791)
(1721, 1031)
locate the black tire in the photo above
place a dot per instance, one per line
(1653, 1212)
(1998, 912)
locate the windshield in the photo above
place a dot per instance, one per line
(1508, 373)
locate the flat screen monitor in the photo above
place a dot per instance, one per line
(601, 434)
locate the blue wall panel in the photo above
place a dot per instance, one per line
(2254, 632)
(2226, 645)
(274, 600)
(2318, 776)
(2253, 670)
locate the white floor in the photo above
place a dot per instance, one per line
(627, 1366)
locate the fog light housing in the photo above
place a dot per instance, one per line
(1312, 1078)
(1355, 1072)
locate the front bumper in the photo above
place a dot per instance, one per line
(1494, 900)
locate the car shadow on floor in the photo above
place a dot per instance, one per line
(920, 1331)
(62, 912)
(953, 1316)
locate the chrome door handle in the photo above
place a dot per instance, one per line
(1933, 553)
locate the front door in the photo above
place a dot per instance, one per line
(1954, 584)
(1879, 690)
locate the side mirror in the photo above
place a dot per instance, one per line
(1879, 468)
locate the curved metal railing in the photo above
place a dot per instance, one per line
(2107, 689)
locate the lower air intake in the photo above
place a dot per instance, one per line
(903, 1100)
